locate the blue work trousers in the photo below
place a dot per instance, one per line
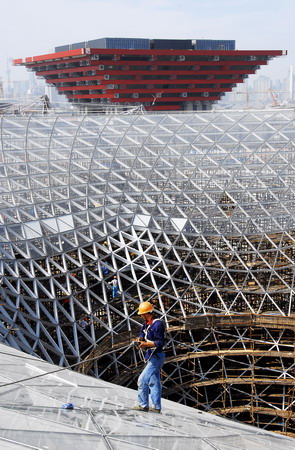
(149, 381)
(115, 291)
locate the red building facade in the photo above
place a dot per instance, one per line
(157, 78)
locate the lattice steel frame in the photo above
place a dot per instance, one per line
(194, 212)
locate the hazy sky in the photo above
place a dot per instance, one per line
(34, 27)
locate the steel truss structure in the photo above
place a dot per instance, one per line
(194, 212)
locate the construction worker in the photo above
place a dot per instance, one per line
(151, 338)
(115, 287)
(104, 270)
(84, 322)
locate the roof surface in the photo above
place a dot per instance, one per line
(32, 415)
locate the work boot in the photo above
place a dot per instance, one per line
(154, 410)
(140, 408)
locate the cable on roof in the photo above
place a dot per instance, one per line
(64, 368)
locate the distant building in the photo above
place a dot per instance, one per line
(262, 88)
(160, 74)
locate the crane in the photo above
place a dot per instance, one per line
(247, 97)
(274, 98)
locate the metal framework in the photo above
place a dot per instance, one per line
(194, 212)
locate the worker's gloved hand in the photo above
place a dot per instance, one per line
(145, 345)
(137, 343)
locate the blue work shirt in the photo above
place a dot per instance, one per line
(154, 332)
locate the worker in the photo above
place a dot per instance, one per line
(104, 270)
(115, 288)
(151, 338)
(84, 322)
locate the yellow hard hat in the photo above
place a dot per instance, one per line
(145, 307)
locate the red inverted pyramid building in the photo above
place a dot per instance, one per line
(158, 74)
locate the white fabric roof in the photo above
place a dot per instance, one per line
(32, 415)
